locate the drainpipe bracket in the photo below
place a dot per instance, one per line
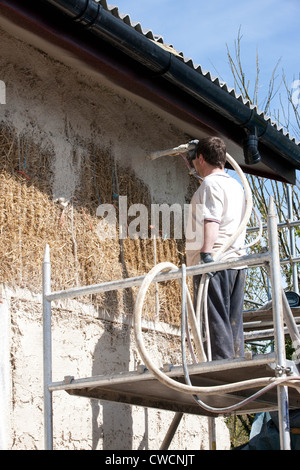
(89, 14)
(255, 125)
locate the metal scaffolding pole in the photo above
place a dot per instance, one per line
(171, 431)
(48, 412)
(292, 238)
(259, 259)
(283, 406)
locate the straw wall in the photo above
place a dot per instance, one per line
(30, 218)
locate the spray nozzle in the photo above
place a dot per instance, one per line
(181, 149)
(192, 152)
(187, 151)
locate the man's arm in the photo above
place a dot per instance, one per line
(211, 231)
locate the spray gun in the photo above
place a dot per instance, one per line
(187, 151)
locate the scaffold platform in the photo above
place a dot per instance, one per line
(263, 319)
(142, 389)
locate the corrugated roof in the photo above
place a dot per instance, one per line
(114, 10)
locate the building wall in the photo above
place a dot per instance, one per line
(81, 133)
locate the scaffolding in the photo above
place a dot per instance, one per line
(266, 382)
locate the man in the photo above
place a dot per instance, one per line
(216, 212)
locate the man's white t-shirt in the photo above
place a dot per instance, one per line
(220, 198)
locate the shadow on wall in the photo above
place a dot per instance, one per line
(112, 422)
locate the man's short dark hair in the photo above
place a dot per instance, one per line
(213, 150)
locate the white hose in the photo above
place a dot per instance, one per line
(168, 381)
(184, 335)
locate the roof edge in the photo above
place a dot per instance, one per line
(161, 62)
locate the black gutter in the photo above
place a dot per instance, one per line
(93, 17)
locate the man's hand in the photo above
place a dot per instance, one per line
(207, 258)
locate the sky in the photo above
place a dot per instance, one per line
(202, 30)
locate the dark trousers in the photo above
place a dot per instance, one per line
(225, 312)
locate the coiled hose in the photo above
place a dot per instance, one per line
(186, 388)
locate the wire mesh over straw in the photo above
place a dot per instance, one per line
(30, 218)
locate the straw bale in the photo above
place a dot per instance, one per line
(30, 218)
